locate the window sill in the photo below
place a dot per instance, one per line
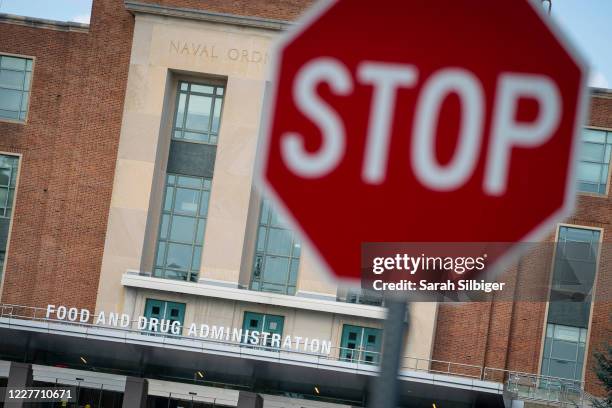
(134, 279)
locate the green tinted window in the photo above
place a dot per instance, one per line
(15, 79)
(277, 254)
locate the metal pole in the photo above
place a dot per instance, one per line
(384, 389)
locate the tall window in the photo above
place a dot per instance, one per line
(181, 233)
(8, 181)
(15, 78)
(360, 344)
(277, 254)
(594, 161)
(198, 113)
(188, 181)
(569, 308)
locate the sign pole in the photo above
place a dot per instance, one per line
(384, 388)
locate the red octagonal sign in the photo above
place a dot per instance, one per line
(422, 121)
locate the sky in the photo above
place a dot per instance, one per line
(586, 22)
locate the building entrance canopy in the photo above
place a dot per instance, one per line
(230, 365)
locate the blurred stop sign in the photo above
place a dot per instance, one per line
(422, 121)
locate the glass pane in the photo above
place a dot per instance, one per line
(184, 86)
(216, 115)
(293, 272)
(28, 79)
(163, 229)
(277, 220)
(179, 256)
(567, 333)
(265, 212)
(182, 229)
(219, 91)
(29, 65)
(197, 255)
(279, 242)
(589, 172)
(186, 201)
(213, 139)
(276, 270)
(5, 176)
(604, 174)
(168, 199)
(261, 239)
(577, 250)
(178, 134)
(562, 369)
(580, 353)
(24, 101)
(608, 153)
(207, 184)
(13, 63)
(198, 112)
(171, 179)
(11, 79)
(565, 350)
(198, 137)
(204, 203)
(3, 197)
(9, 114)
(191, 182)
(297, 249)
(201, 88)
(547, 344)
(592, 152)
(180, 110)
(592, 135)
(175, 275)
(161, 252)
(10, 99)
(200, 231)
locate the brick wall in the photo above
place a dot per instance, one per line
(69, 147)
(509, 335)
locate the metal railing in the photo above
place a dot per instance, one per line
(549, 390)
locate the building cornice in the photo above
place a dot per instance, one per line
(210, 16)
(44, 23)
(601, 93)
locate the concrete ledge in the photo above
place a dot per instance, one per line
(210, 16)
(44, 23)
(244, 295)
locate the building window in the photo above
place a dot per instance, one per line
(168, 312)
(360, 344)
(361, 296)
(198, 113)
(15, 79)
(8, 182)
(594, 161)
(262, 323)
(564, 351)
(277, 254)
(569, 308)
(181, 231)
